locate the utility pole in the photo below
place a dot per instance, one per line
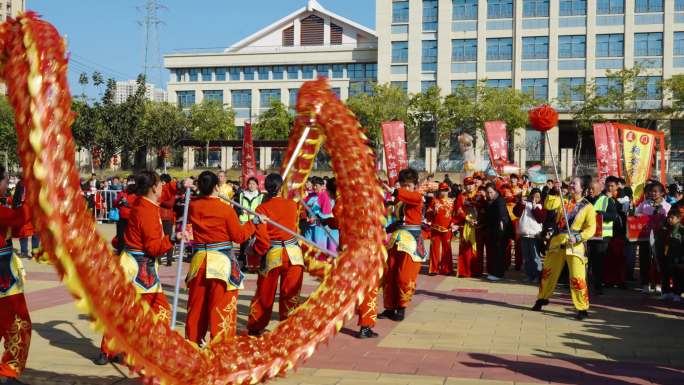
(152, 57)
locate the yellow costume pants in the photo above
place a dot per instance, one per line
(553, 266)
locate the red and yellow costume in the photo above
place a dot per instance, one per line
(441, 218)
(214, 277)
(406, 251)
(469, 249)
(281, 259)
(145, 242)
(15, 323)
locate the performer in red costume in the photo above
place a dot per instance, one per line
(15, 323)
(406, 249)
(144, 244)
(441, 219)
(214, 277)
(277, 255)
(466, 213)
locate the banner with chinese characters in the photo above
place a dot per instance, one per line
(498, 144)
(249, 168)
(605, 137)
(395, 149)
(638, 154)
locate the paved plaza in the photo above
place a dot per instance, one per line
(457, 331)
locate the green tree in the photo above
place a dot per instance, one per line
(126, 122)
(163, 126)
(83, 81)
(274, 123)
(386, 103)
(210, 121)
(428, 109)
(8, 132)
(675, 88)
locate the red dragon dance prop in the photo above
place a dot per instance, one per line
(35, 69)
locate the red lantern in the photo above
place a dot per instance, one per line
(543, 118)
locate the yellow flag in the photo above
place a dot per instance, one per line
(638, 152)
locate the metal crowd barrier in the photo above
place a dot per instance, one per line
(101, 203)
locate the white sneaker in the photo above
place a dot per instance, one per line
(493, 278)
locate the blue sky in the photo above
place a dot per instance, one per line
(104, 35)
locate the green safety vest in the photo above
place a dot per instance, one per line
(250, 204)
(601, 205)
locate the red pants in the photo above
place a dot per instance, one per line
(210, 307)
(368, 310)
(15, 331)
(441, 259)
(400, 281)
(469, 261)
(614, 264)
(262, 304)
(158, 303)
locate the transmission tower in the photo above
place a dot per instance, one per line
(152, 64)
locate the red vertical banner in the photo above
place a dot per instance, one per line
(394, 140)
(249, 168)
(605, 138)
(498, 144)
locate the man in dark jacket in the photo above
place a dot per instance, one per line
(498, 232)
(606, 216)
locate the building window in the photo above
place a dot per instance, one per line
(644, 6)
(220, 74)
(249, 73)
(308, 72)
(338, 71)
(464, 50)
(371, 72)
(648, 44)
(186, 98)
(499, 83)
(430, 14)
(206, 74)
(610, 7)
(679, 5)
(292, 72)
(499, 9)
(536, 47)
(537, 88)
(679, 43)
(335, 34)
(612, 45)
(322, 70)
(429, 59)
(193, 74)
(464, 10)
(361, 78)
(571, 88)
(358, 88)
(288, 36)
(463, 85)
(293, 97)
(266, 97)
(500, 48)
(572, 46)
(264, 72)
(399, 52)
(278, 72)
(241, 99)
(427, 84)
(573, 7)
(400, 85)
(234, 73)
(536, 8)
(215, 95)
(605, 84)
(356, 71)
(400, 12)
(312, 31)
(651, 87)
(180, 74)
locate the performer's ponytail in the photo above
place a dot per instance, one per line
(144, 181)
(206, 183)
(273, 183)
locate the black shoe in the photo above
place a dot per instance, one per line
(102, 359)
(11, 381)
(387, 314)
(366, 332)
(538, 305)
(255, 333)
(399, 315)
(118, 359)
(582, 314)
(432, 274)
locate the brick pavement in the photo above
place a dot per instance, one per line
(458, 331)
